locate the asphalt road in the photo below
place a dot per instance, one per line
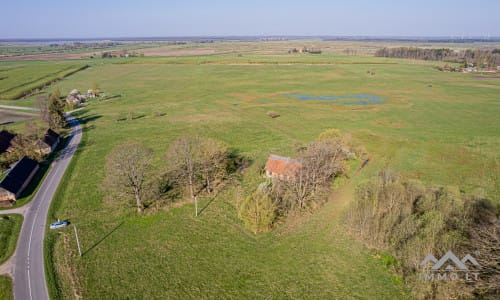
(29, 272)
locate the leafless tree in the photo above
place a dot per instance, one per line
(128, 169)
(22, 146)
(183, 156)
(320, 162)
(212, 161)
(197, 163)
(36, 134)
(42, 104)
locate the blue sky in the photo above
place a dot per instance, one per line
(125, 18)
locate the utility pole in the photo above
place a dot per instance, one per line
(77, 241)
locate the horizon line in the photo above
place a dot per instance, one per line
(228, 37)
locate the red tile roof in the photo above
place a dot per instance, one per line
(282, 165)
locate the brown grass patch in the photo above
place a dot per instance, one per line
(245, 97)
(392, 124)
(177, 52)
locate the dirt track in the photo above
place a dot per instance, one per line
(8, 116)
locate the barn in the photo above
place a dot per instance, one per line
(17, 180)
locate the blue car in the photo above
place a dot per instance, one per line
(59, 224)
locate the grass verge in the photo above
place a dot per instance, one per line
(51, 237)
(10, 226)
(6, 291)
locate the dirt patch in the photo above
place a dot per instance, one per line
(9, 116)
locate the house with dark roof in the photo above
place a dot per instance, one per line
(5, 140)
(17, 180)
(282, 167)
(48, 143)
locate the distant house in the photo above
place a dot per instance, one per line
(17, 180)
(49, 142)
(281, 167)
(5, 140)
(73, 100)
(75, 97)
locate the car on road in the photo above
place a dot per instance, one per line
(59, 224)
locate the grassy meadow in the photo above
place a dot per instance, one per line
(6, 290)
(442, 128)
(10, 227)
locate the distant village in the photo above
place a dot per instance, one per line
(310, 50)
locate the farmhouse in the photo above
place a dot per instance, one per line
(281, 167)
(17, 180)
(5, 139)
(48, 143)
(76, 98)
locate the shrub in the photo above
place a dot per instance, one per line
(257, 212)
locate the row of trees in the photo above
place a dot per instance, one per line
(410, 221)
(477, 57)
(321, 162)
(196, 166)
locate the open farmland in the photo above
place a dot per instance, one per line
(441, 128)
(18, 80)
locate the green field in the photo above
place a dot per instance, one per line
(10, 226)
(18, 80)
(6, 292)
(442, 128)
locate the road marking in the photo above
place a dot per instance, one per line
(54, 166)
(56, 172)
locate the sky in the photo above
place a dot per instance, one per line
(156, 18)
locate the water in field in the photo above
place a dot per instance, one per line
(352, 99)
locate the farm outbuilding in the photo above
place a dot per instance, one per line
(17, 180)
(281, 167)
(49, 142)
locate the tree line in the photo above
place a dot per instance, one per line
(482, 58)
(410, 221)
(196, 166)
